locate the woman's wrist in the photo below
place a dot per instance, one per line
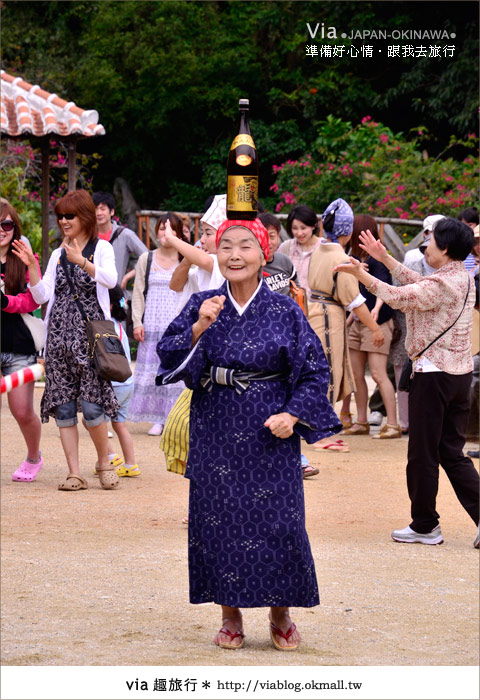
(366, 279)
(84, 264)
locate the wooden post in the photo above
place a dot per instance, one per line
(143, 220)
(45, 148)
(72, 165)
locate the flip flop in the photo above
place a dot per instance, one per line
(336, 446)
(232, 635)
(274, 630)
(73, 482)
(309, 471)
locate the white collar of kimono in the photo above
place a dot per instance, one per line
(241, 309)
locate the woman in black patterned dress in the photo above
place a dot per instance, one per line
(71, 377)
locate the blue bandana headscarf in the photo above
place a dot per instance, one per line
(342, 216)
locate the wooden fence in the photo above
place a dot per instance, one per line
(146, 219)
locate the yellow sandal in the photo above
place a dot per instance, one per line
(134, 470)
(388, 432)
(346, 419)
(357, 428)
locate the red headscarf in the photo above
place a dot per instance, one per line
(255, 226)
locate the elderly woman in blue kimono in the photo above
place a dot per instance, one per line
(259, 379)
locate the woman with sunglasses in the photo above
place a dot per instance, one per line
(71, 376)
(18, 346)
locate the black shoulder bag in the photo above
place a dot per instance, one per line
(406, 376)
(105, 345)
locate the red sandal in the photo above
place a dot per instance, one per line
(232, 635)
(274, 630)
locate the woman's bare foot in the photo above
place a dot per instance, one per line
(231, 621)
(280, 617)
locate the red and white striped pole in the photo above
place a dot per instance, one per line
(23, 376)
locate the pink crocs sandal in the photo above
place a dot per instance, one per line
(27, 471)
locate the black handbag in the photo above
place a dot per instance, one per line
(406, 377)
(105, 345)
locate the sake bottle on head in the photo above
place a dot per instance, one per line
(242, 171)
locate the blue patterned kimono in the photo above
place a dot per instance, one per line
(248, 546)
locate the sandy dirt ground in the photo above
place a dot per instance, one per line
(100, 577)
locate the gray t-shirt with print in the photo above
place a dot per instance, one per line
(279, 272)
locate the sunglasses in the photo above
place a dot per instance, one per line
(68, 217)
(7, 225)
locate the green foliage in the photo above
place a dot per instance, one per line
(18, 170)
(166, 76)
(378, 172)
(21, 179)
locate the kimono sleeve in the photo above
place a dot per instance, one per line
(178, 360)
(309, 385)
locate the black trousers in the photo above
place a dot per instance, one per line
(438, 407)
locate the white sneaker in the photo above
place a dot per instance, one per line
(110, 434)
(476, 542)
(156, 429)
(376, 418)
(410, 536)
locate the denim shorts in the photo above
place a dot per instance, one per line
(66, 414)
(13, 361)
(123, 393)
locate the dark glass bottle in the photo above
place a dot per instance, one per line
(242, 171)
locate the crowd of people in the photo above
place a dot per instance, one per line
(246, 373)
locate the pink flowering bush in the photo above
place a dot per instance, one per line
(378, 172)
(21, 180)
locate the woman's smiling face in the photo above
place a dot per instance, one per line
(6, 236)
(302, 232)
(70, 227)
(208, 238)
(239, 255)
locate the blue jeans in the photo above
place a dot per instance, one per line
(12, 362)
(66, 414)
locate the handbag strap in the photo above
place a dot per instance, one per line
(147, 272)
(116, 234)
(65, 265)
(452, 324)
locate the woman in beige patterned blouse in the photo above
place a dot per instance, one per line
(439, 396)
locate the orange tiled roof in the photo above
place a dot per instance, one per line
(27, 109)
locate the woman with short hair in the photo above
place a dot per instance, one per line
(438, 310)
(70, 372)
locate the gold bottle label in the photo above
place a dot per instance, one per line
(242, 140)
(243, 160)
(242, 194)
